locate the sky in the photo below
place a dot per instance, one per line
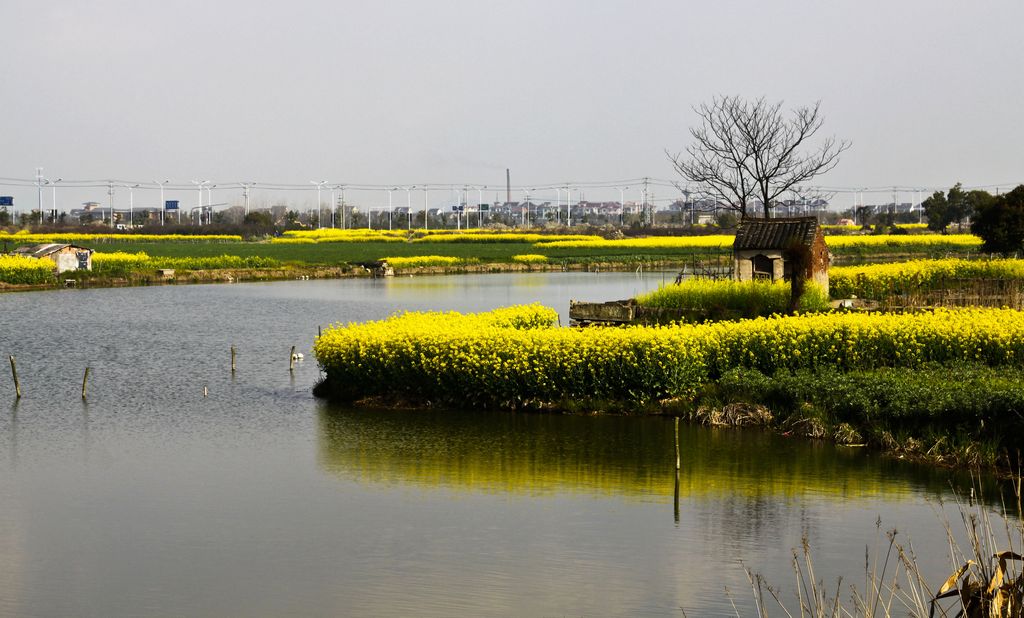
(452, 92)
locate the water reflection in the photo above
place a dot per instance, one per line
(553, 454)
(13, 430)
(151, 499)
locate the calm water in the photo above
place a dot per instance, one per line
(152, 499)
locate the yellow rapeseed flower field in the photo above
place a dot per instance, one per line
(427, 260)
(711, 241)
(964, 241)
(121, 263)
(288, 240)
(530, 258)
(723, 242)
(516, 356)
(25, 270)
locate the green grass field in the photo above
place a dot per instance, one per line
(869, 249)
(338, 253)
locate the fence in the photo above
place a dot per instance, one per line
(706, 266)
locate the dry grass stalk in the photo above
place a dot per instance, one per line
(989, 583)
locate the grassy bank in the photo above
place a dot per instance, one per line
(497, 252)
(336, 248)
(924, 412)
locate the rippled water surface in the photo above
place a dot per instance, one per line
(152, 498)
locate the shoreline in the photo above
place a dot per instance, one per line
(290, 273)
(321, 271)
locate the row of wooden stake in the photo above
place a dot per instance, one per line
(85, 379)
(17, 383)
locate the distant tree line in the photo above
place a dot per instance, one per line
(954, 206)
(1000, 222)
(997, 219)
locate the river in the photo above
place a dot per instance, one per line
(180, 489)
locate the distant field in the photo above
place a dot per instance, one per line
(337, 253)
(336, 247)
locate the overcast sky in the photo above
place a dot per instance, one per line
(442, 92)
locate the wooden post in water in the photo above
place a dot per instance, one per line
(291, 360)
(232, 359)
(676, 492)
(205, 391)
(85, 382)
(17, 385)
(319, 331)
(677, 443)
(676, 498)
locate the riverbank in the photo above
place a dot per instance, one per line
(79, 279)
(131, 259)
(918, 413)
(85, 280)
(291, 271)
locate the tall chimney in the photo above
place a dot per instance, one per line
(508, 186)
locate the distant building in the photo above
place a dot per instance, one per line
(697, 211)
(65, 257)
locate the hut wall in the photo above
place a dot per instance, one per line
(743, 269)
(744, 264)
(778, 269)
(67, 259)
(820, 259)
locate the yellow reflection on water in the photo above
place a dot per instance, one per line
(628, 456)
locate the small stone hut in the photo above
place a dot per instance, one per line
(66, 257)
(765, 248)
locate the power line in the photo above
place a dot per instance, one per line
(439, 188)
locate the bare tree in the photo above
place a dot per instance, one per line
(749, 151)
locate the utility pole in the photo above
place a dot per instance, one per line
(648, 216)
(408, 206)
(199, 185)
(622, 204)
(426, 212)
(53, 189)
(245, 194)
(568, 206)
(131, 204)
(479, 202)
(526, 213)
(319, 214)
(334, 206)
(163, 204)
(342, 188)
(391, 208)
(39, 192)
(110, 201)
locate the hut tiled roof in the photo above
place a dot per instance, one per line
(777, 234)
(40, 251)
